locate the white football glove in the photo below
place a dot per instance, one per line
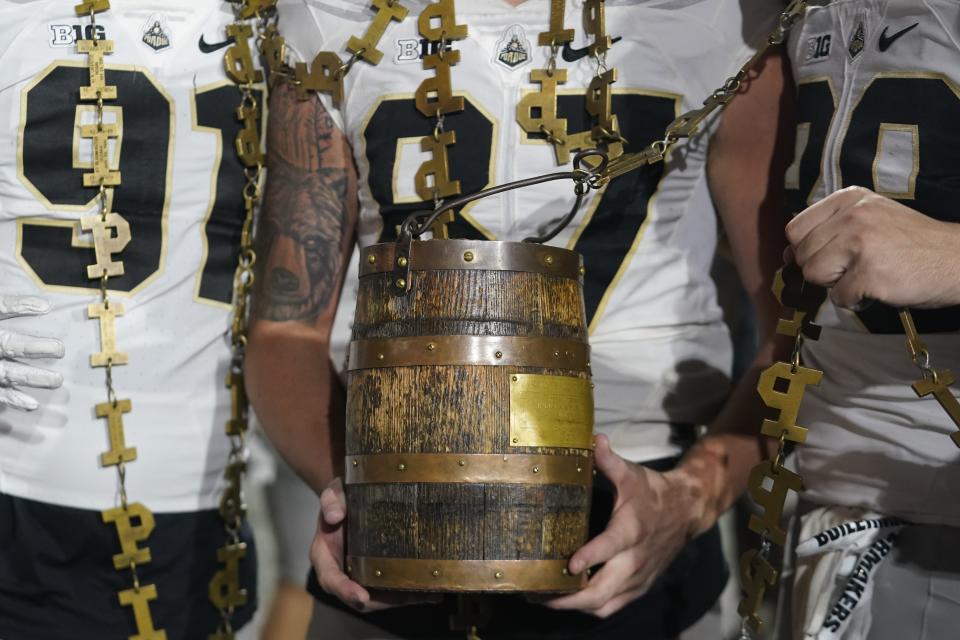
(15, 346)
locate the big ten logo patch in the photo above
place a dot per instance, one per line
(66, 35)
(818, 48)
(416, 49)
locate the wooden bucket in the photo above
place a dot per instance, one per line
(469, 418)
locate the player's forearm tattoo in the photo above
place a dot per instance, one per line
(303, 231)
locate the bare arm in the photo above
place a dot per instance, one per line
(747, 160)
(303, 244)
(656, 513)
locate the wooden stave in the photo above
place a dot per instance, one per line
(526, 523)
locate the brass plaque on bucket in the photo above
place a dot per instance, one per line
(550, 411)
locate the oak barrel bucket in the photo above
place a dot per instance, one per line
(469, 418)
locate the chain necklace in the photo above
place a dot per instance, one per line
(434, 98)
(225, 590)
(770, 480)
(111, 234)
(537, 112)
(934, 382)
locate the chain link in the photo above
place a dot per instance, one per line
(232, 508)
(103, 201)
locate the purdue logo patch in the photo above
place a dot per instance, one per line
(857, 41)
(513, 49)
(156, 34)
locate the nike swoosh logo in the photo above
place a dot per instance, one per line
(885, 42)
(210, 48)
(572, 55)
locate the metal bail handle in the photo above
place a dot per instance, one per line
(584, 180)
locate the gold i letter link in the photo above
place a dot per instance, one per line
(941, 391)
(107, 314)
(596, 26)
(87, 7)
(232, 507)
(237, 424)
(100, 137)
(366, 47)
(557, 35)
(238, 61)
(439, 86)
(119, 451)
(98, 87)
(139, 600)
(248, 139)
(323, 75)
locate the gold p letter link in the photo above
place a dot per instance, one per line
(224, 589)
(130, 534)
(111, 234)
(324, 75)
(437, 166)
(543, 102)
(248, 138)
(448, 29)
(238, 61)
(439, 86)
(87, 7)
(787, 402)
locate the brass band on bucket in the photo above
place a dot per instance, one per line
(474, 254)
(464, 575)
(390, 468)
(547, 353)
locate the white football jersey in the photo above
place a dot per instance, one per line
(660, 350)
(878, 102)
(180, 192)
